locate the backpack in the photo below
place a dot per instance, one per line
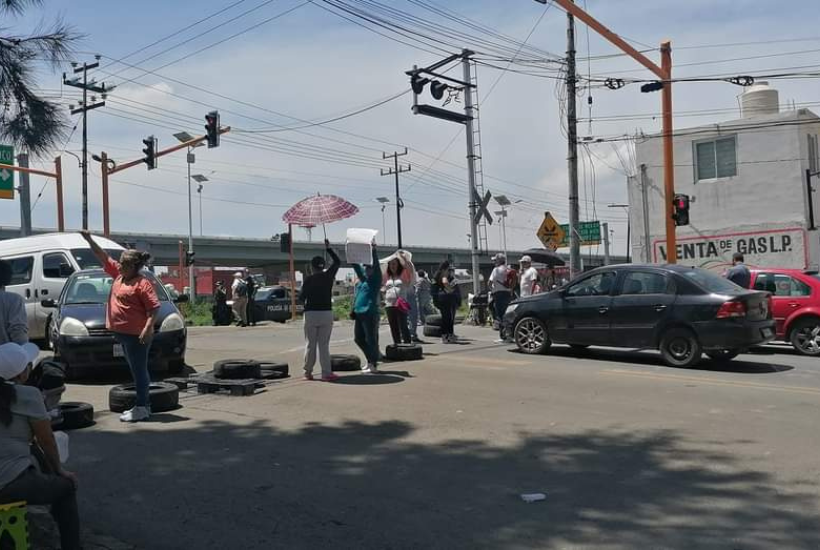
(242, 289)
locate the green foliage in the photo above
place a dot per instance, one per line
(197, 313)
(28, 121)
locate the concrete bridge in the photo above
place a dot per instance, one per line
(265, 253)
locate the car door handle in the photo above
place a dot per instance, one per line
(794, 304)
(44, 292)
(603, 309)
(660, 307)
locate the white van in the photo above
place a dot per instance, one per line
(40, 266)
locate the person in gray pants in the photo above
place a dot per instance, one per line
(317, 293)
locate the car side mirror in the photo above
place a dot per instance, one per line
(49, 304)
(182, 299)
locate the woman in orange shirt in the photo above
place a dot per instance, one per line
(131, 314)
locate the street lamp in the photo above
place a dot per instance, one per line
(186, 137)
(383, 201)
(200, 179)
(628, 230)
(504, 202)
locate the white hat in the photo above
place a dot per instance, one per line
(14, 359)
(525, 260)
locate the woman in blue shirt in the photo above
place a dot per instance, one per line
(366, 311)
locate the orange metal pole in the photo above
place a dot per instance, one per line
(292, 276)
(668, 152)
(106, 218)
(28, 170)
(168, 151)
(58, 181)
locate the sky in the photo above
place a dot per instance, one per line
(271, 67)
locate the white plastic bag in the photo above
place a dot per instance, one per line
(61, 438)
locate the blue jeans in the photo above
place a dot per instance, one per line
(413, 314)
(137, 356)
(366, 335)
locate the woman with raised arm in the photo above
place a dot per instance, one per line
(130, 315)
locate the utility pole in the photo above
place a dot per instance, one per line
(572, 158)
(605, 231)
(25, 196)
(396, 170)
(83, 108)
(645, 203)
(502, 216)
(473, 194)
(199, 190)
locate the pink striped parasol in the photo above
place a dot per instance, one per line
(319, 210)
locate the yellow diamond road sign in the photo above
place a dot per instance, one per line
(550, 233)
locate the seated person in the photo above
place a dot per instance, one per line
(23, 421)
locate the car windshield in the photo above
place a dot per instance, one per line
(87, 260)
(711, 282)
(94, 288)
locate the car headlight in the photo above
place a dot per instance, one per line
(172, 322)
(72, 327)
(511, 308)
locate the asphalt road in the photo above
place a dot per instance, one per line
(435, 454)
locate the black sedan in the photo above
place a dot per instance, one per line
(681, 311)
(82, 343)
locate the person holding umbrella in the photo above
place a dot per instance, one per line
(317, 292)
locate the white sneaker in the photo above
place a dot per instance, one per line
(370, 369)
(136, 414)
(367, 367)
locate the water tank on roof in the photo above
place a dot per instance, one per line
(758, 100)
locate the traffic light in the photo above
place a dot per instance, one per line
(437, 89)
(189, 258)
(417, 83)
(284, 243)
(212, 129)
(681, 204)
(652, 87)
(150, 152)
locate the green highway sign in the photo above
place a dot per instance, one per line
(6, 175)
(590, 234)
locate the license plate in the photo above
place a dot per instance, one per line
(118, 351)
(767, 332)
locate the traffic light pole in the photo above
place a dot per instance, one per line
(191, 278)
(57, 174)
(114, 169)
(664, 73)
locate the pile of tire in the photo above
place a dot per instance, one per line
(432, 326)
(404, 352)
(244, 369)
(162, 395)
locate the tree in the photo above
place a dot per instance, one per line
(28, 121)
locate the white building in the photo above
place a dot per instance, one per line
(748, 182)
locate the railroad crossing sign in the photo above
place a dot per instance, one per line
(6, 175)
(481, 207)
(550, 233)
(590, 234)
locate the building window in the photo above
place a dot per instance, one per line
(716, 158)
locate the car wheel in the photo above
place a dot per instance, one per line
(75, 416)
(531, 336)
(680, 348)
(805, 336)
(163, 397)
(723, 354)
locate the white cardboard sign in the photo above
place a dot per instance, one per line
(359, 246)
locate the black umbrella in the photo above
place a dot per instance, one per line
(544, 256)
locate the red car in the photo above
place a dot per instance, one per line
(795, 305)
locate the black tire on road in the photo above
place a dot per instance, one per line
(345, 362)
(680, 348)
(274, 366)
(75, 416)
(432, 332)
(162, 395)
(432, 320)
(805, 336)
(723, 354)
(531, 336)
(404, 352)
(237, 369)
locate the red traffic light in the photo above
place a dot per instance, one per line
(212, 129)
